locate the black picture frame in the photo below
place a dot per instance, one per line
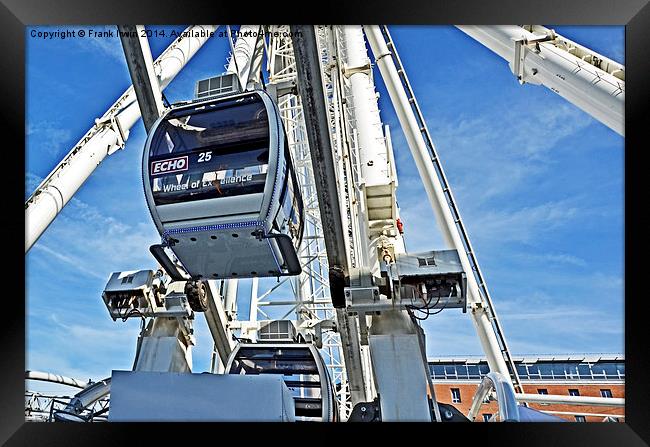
(634, 14)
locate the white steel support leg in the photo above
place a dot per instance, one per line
(372, 149)
(218, 323)
(230, 301)
(107, 136)
(252, 316)
(164, 348)
(399, 372)
(435, 194)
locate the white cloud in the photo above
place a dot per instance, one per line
(534, 323)
(31, 182)
(76, 263)
(108, 46)
(81, 345)
(492, 155)
(83, 235)
(53, 138)
(507, 147)
(551, 258)
(523, 224)
(488, 158)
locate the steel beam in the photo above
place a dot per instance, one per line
(143, 77)
(55, 378)
(571, 400)
(246, 55)
(536, 59)
(310, 88)
(436, 194)
(108, 134)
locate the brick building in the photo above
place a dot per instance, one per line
(598, 375)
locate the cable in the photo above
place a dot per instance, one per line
(139, 344)
(427, 308)
(445, 305)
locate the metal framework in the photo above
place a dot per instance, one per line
(105, 137)
(42, 407)
(369, 349)
(312, 304)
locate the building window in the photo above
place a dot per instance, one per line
(533, 372)
(545, 370)
(584, 371)
(486, 417)
(581, 419)
(606, 393)
(542, 391)
(438, 371)
(574, 392)
(522, 371)
(473, 372)
(461, 371)
(455, 395)
(450, 372)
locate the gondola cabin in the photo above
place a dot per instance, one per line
(302, 368)
(221, 187)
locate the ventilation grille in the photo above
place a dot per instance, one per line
(277, 330)
(226, 84)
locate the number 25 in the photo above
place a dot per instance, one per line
(204, 156)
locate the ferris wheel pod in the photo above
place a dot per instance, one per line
(221, 188)
(301, 366)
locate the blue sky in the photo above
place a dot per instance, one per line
(538, 182)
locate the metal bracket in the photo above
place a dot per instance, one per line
(521, 45)
(477, 307)
(518, 61)
(282, 88)
(361, 295)
(349, 71)
(158, 252)
(318, 331)
(112, 122)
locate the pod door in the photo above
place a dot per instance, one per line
(303, 370)
(212, 174)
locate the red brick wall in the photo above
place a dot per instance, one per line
(467, 390)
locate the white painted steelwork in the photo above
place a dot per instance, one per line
(436, 194)
(357, 139)
(571, 71)
(55, 378)
(107, 136)
(571, 400)
(373, 157)
(243, 58)
(143, 75)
